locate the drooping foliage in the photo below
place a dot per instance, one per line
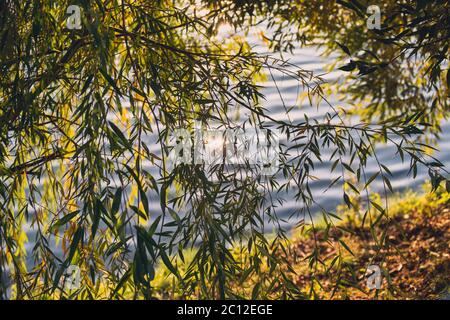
(85, 119)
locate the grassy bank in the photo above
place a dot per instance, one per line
(415, 258)
(409, 243)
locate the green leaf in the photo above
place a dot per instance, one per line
(139, 212)
(373, 177)
(116, 201)
(388, 183)
(165, 258)
(64, 220)
(110, 80)
(378, 207)
(147, 239)
(120, 135)
(448, 81)
(344, 48)
(255, 291)
(77, 238)
(153, 227)
(174, 215)
(348, 67)
(96, 217)
(347, 200)
(144, 201)
(346, 247)
(334, 215)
